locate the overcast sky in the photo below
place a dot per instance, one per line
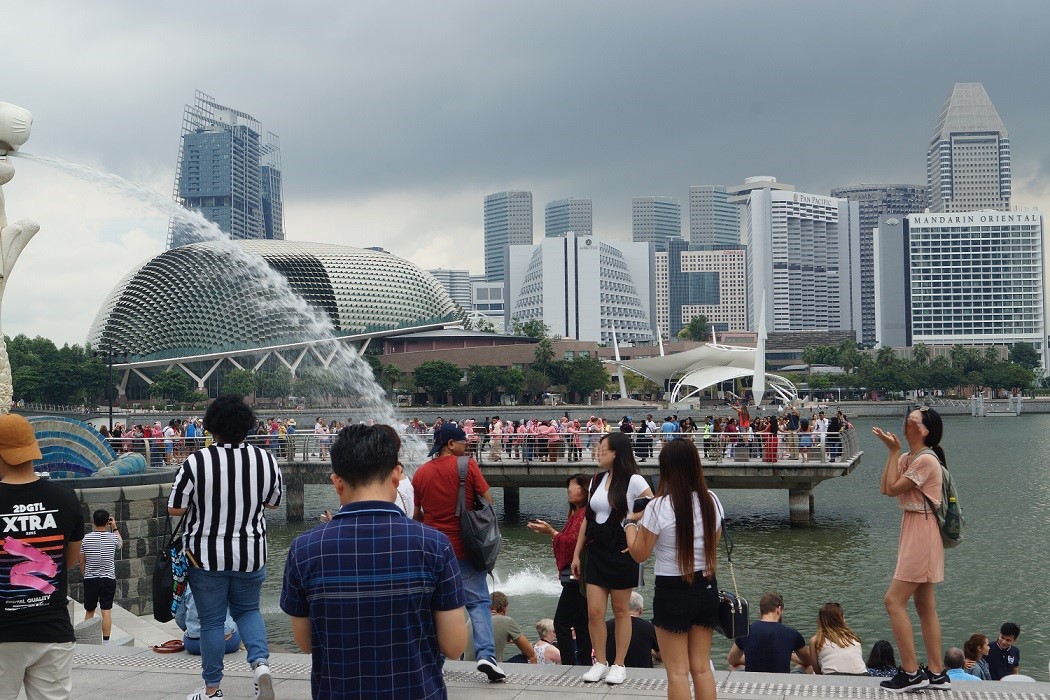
(397, 118)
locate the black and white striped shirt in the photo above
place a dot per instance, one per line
(100, 549)
(225, 489)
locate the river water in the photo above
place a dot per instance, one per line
(1000, 572)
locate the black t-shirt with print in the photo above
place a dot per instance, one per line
(37, 520)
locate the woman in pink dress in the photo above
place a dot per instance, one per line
(914, 479)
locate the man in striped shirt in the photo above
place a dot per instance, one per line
(98, 553)
(223, 490)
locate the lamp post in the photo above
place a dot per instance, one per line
(109, 356)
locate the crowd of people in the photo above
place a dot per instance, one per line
(380, 599)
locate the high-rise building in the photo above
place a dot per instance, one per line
(656, 220)
(508, 221)
(803, 258)
(564, 215)
(966, 278)
(229, 170)
(709, 283)
(874, 201)
(713, 219)
(458, 285)
(583, 288)
(968, 164)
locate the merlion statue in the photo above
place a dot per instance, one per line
(15, 123)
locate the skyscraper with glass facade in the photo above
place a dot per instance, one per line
(564, 215)
(508, 221)
(229, 170)
(713, 219)
(968, 163)
(656, 220)
(875, 201)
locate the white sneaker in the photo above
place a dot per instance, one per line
(616, 675)
(263, 682)
(202, 694)
(597, 672)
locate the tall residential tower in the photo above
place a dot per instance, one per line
(508, 221)
(968, 164)
(229, 170)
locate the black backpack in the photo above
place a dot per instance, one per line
(479, 526)
(949, 513)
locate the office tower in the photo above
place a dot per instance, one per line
(713, 219)
(968, 164)
(967, 278)
(875, 201)
(709, 283)
(564, 215)
(508, 221)
(583, 288)
(656, 220)
(457, 284)
(803, 258)
(229, 170)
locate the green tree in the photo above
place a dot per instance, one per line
(1026, 355)
(438, 378)
(885, 357)
(850, 358)
(512, 380)
(390, 376)
(240, 382)
(533, 328)
(170, 384)
(274, 384)
(941, 375)
(821, 355)
(696, 329)
(479, 324)
(544, 354)
(483, 381)
(920, 352)
(315, 383)
(586, 375)
(535, 382)
(819, 382)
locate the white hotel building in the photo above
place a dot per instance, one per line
(583, 288)
(969, 278)
(803, 258)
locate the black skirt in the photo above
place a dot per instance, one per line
(608, 565)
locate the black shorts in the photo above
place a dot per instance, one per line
(99, 592)
(679, 606)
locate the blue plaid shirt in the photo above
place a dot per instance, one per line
(369, 581)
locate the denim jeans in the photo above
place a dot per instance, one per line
(213, 591)
(479, 608)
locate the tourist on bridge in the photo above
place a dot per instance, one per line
(913, 479)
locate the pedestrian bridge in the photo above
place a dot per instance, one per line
(744, 469)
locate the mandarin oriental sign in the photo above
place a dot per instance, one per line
(989, 217)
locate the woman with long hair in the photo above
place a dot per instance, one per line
(974, 650)
(682, 525)
(835, 648)
(610, 573)
(571, 613)
(881, 661)
(914, 479)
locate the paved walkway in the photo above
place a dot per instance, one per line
(106, 673)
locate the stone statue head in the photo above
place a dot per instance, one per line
(15, 124)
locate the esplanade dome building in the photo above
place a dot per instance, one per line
(196, 306)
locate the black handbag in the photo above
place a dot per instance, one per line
(732, 609)
(164, 575)
(479, 526)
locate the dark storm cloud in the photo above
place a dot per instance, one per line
(602, 99)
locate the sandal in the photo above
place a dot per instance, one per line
(172, 646)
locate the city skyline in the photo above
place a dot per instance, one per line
(393, 138)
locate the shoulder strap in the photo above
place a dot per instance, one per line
(461, 502)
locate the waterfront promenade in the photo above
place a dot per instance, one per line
(105, 673)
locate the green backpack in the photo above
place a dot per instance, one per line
(949, 513)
